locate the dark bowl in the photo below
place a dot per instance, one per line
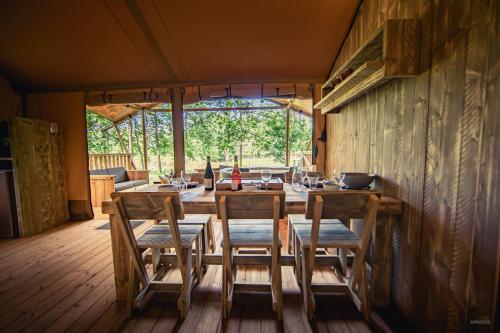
(357, 180)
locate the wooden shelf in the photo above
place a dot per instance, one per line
(367, 75)
(371, 51)
(392, 51)
(5, 158)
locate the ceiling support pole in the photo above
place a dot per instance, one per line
(131, 141)
(144, 140)
(123, 146)
(287, 141)
(319, 121)
(178, 129)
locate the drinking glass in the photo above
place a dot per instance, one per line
(296, 180)
(176, 183)
(186, 177)
(313, 182)
(303, 174)
(169, 174)
(337, 177)
(266, 176)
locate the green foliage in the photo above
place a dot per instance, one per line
(262, 133)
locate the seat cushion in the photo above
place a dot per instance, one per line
(99, 172)
(120, 174)
(330, 236)
(124, 185)
(255, 236)
(139, 182)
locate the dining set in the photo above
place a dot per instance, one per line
(320, 233)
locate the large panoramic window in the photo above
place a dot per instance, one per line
(257, 136)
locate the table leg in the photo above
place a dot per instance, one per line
(381, 267)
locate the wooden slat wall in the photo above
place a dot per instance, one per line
(434, 140)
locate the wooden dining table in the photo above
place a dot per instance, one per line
(199, 201)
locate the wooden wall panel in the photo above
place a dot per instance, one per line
(433, 140)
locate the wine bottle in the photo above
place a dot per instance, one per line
(209, 176)
(236, 176)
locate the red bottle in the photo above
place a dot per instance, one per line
(236, 176)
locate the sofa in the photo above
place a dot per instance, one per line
(103, 182)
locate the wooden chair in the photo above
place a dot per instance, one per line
(158, 206)
(205, 220)
(342, 205)
(263, 209)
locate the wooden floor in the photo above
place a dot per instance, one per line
(62, 281)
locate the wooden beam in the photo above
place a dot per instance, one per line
(319, 121)
(144, 141)
(178, 129)
(233, 108)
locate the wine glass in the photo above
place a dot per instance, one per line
(266, 176)
(186, 177)
(337, 176)
(303, 174)
(169, 174)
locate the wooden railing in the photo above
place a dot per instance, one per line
(103, 161)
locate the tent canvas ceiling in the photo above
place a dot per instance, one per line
(94, 44)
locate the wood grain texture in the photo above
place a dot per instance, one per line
(433, 139)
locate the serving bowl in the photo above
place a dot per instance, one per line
(357, 180)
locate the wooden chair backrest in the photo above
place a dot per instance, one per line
(341, 204)
(149, 206)
(250, 205)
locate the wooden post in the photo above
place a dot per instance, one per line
(122, 144)
(144, 140)
(241, 138)
(106, 142)
(319, 121)
(131, 141)
(287, 144)
(178, 129)
(157, 141)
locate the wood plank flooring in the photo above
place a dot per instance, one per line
(62, 281)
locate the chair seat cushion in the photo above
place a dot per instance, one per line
(300, 219)
(120, 174)
(159, 236)
(129, 184)
(330, 236)
(252, 235)
(99, 172)
(191, 219)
